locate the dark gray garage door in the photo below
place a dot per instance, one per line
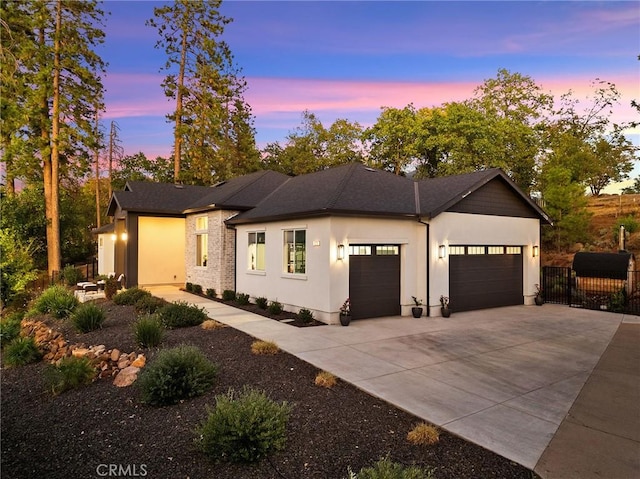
(374, 280)
(485, 277)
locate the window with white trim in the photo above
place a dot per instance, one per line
(295, 251)
(475, 250)
(514, 249)
(387, 250)
(202, 240)
(456, 250)
(256, 251)
(495, 249)
(359, 250)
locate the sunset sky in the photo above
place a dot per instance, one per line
(343, 59)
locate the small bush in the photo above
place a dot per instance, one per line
(242, 299)
(130, 296)
(148, 331)
(228, 295)
(264, 347)
(305, 315)
(325, 379)
(110, 288)
(188, 287)
(57, 301)
(69, 373)
(387, 469)
(197, 289)
(175, 374)
(211, 324)
(22, 350)
(181, 314)
(149, 304)
(262, 302)
(211, 293)
(423, 435)
(88, 317)
(10, 327)
(243, 428)
(275, 307)
(71, 276)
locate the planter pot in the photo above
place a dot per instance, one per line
(416, 311)
(345, 319)
(446, 312)
(539, 301)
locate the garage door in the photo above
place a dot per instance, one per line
(374, 280)
(484, 277)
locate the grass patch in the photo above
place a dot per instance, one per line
(178, 373)
(325, 379)
(10, 327)
(57, 301)
(264, 347)
(148, 331)
(423, 435)
(22, 350)
(243, 428)
(69, 373)
(385, 468)
(211, 324)
(88, 317)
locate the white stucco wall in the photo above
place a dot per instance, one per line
(161, 250)
(467, 229)
(106, 254)
(325, 284)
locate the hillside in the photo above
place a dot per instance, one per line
(606, 211)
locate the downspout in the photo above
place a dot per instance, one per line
(235, 255)
(417, 198)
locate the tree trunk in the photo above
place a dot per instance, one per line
(112, 134)
(177, 147)
(97, 160)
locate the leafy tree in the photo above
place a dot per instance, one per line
(634, 188)
(16, 265)
(212, 121)
(139, 168)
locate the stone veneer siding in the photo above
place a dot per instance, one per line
(219, 274)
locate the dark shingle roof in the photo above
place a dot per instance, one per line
(148, 197)
(602, 265)
(347, 189)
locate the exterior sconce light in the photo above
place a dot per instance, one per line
(442, 251)
(536, 251)
(114, 237)
(340, 252)
(124, 236)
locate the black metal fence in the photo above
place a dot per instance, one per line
(592, 290)
(86, 271)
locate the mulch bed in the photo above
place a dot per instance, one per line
(86, 431)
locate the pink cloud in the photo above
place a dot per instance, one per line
(133, 95)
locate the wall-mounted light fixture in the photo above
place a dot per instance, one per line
(442, 251)
(124, 236)
(114, 236)
(340, 252)
(536, 251)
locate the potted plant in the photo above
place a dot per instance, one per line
(416, 310)
(444, 307)
(345, 313)
(539, 299)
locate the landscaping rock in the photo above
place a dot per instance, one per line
(126, 377)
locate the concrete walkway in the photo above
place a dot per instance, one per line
(504, 378)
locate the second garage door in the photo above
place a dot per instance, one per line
(484, 277)
(374, 280)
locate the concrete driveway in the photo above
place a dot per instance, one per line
(502, 378)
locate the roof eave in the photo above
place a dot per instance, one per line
(321, 213)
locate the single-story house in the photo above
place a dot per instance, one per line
(314, 240)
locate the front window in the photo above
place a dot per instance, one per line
(202, 240)
(295, 251)
(256, 251)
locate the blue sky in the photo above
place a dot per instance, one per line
(343, 59)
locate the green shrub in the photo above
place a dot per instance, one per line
(148, 331)
(305, 315)
(22, 350)
(88, 317)
(69, 373)
(188, 287)
(631, 225)
(71, 276)
(262, 302)
(275, 307)
(243, 427)
(130, 296)
(149, 304)
(242, 299)
(211, 293)
(10, 327)
(110, 288)
(180, 315)
(175, 374)
(387, 469)
(57, 301)
(197, 289)
(228, 295)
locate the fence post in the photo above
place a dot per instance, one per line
(569, 278)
